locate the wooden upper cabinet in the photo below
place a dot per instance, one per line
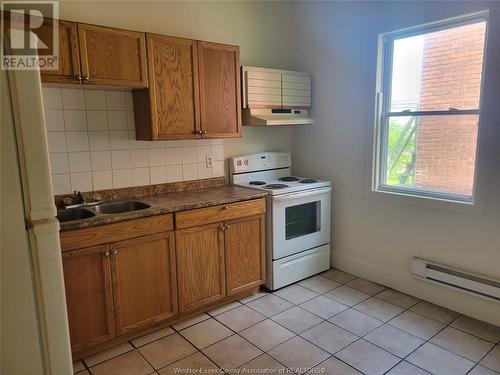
(144, 281)
(200, 261)
(69, 57)
(112, 56)
(220, 99)
(245, 253)
(87, 279)
(169, 108)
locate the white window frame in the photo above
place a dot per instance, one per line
(383, 113)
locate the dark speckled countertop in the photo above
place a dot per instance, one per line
(172, 202)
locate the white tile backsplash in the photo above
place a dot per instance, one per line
(115, 100)
(102, 180)
(202, 152)
(157, 157)
(122, 178)
(54, 119)
(57, 141)
(77, 141)
(189, 155)
(99, 140)
(95, 99)
(190, 171)
(158, 175)
(174, 156)
(79, 161)
(140, 176)
(52, 98)
(119, 140)
(100, 160)
(120, 159)
(117, 120)
(61, 183)
(81, 181)
(97, 120)
(59, 162)
(139, 158)
(75, 119)
(91, 138)
(174, 173)
(72, 98)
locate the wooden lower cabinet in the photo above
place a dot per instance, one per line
(147, 273)
(87, 278)
(200, 264)
(245, 253)
(144, 281)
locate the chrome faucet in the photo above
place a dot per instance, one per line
(78, 201)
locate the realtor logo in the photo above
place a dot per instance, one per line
(30, 35)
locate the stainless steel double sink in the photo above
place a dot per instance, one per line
(86, 212)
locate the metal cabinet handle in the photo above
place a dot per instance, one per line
(86, 78)
(204, 132)
(114, 252)
(222, 228)
(227, 227)
(225, 208)
(79, 78)
(106, 254)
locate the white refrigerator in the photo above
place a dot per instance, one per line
(33, 321)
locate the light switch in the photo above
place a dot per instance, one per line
(208, 159)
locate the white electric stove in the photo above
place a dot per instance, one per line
(298, 216)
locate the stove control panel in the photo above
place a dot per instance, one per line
(260, 161)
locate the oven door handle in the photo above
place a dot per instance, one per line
(308, 193)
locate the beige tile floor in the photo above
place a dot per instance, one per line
(333, 321)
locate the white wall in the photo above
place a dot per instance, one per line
(376, 238)
(261, 29)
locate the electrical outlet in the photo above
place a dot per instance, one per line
(208, 159)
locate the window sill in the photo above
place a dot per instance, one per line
(433, 202)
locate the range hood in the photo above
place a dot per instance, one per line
(275, 97)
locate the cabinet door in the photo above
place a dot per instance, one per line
(200, 261)
(87, 279)
(112, 56)
(172, 98)
(144, 281)
(245, 253)
(220, 103)
(69, 57)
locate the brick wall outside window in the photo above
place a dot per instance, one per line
(451, 77)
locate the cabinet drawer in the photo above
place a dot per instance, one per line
(214, 214)
(93, 236)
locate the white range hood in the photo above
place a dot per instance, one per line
(275, 97)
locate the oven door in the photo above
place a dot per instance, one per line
(301, 221)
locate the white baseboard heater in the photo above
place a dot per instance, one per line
(456, 279)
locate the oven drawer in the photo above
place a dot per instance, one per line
(214, 214)
(297, 267)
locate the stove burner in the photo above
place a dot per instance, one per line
(289, 178)
(256, 183)
(275, 186)
(308, 181)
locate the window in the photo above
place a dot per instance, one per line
(428, 109)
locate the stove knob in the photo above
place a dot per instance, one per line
(238, 163)
(246, 162)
